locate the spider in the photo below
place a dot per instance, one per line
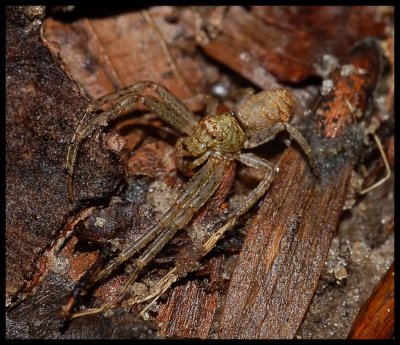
(213, 143)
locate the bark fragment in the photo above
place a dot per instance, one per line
(39, 318)
(102, 61)
(42, 112)
(375, 320)
(189, 311)
(286, 42)
(269, 292)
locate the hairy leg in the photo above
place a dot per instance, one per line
(170, 109)
(256, 162)
(305, 146)
(197, 191)
(269, 133)
(181, 220)
(172, 102)
(176, 273)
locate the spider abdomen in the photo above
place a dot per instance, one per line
(265, 109)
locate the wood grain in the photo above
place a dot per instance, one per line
(375, 319)
(287, 243)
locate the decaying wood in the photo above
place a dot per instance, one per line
(285, 249)
(254, 47)
(190, 309)
(108, 53)
(105, 53)
(40, 103)
(38, 318)
(375, 319)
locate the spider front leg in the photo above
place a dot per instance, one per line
(85, 129)
(170, 109)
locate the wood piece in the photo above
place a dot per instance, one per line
(108, 53)
(38, 318)
(287, 243)
(283, 254)
(40, 103)
(284, 43)
(375, 319)
(190, 309)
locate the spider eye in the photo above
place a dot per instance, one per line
(217, 135)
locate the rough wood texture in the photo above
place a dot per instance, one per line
(104, 49)
(283, 255)
(104, 54)
(284, 43)
(190, 309)
(375, 319)
(285, 249)
(40, 103)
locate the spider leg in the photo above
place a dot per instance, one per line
(385, 162)
(256, 162)
(181, 117)
(170, 110)
(305, 146)
(174, 274)
(201, 185)
(169, 114)
(94, 106)
(129, 90)
(183, 218)
(269, 133)
(124, 102)
(172, 102)
(84, 130)
(197, 191)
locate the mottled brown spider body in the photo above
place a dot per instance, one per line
(220, 132)
(274, 108)
(215, 140)
(277, 105)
